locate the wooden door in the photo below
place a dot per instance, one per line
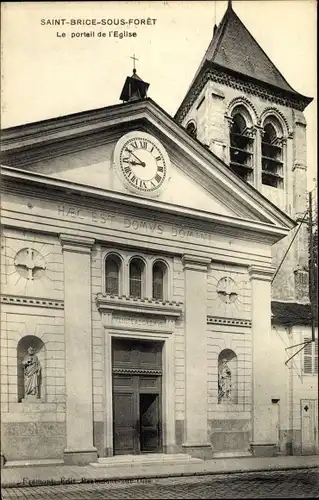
(136, 414)
(150, 433)
(125, 418)
(276, 423)
(309, 426)
(137, 384)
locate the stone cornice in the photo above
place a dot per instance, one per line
(123, 304)
(268, 230)
(214, 73)
(136, 371)
(195, 263)
(63, 129)
(32, 301)
(49, 151)
(216, 320)
(301, 123)
(76, 244)
(261, 273)
(298, 165)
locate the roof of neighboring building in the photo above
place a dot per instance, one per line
(291, 313)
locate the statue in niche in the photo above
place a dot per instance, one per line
(32, 374)
(224, 382)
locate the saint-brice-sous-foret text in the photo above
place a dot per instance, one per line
(89, 28)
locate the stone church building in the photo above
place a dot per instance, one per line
(141, 312)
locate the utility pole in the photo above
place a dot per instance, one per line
(313, 274)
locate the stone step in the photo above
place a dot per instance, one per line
(146, 459)
(33, 463)
(232, 454)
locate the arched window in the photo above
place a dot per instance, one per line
(136, 277)
(272, 158)
(159, 272)
(241, 146)
(112, 273)
(191, 129)
(227, 377)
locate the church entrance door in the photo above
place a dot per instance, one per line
(137, 396)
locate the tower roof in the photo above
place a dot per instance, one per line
(234, 49)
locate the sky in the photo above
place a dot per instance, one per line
(47, 72)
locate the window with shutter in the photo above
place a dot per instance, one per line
(241, 148)
(272, 157)
(311, 357)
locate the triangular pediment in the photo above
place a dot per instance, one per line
(81, 152)
(94, 167)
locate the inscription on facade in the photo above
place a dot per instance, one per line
(95, 216)
(138, 322)
(140, 226)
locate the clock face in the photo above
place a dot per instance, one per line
(142, 161)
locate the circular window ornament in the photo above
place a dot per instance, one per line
(227, 290)
(30, 264)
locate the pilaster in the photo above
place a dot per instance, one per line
(262, 368)
(287, 152)
(195, 275)
(228, 123)
(78, 349)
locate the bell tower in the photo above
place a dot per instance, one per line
(242, 108)
(134, 87)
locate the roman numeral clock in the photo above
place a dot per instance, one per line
(141, 162)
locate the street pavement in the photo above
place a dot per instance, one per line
(297, 483)
(62, 474)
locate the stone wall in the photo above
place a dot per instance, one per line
(32, 315)
(229, 331)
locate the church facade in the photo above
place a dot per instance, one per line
(140, 313)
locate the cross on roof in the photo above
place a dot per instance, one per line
(134, 59)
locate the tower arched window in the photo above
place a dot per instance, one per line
(241, 147)
(191, 129)
(136, 277)
(112, 275)
(158, 280)
(272, 156)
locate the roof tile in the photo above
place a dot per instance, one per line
(234, 48)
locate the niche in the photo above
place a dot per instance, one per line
(227, 377)
(36, 368)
